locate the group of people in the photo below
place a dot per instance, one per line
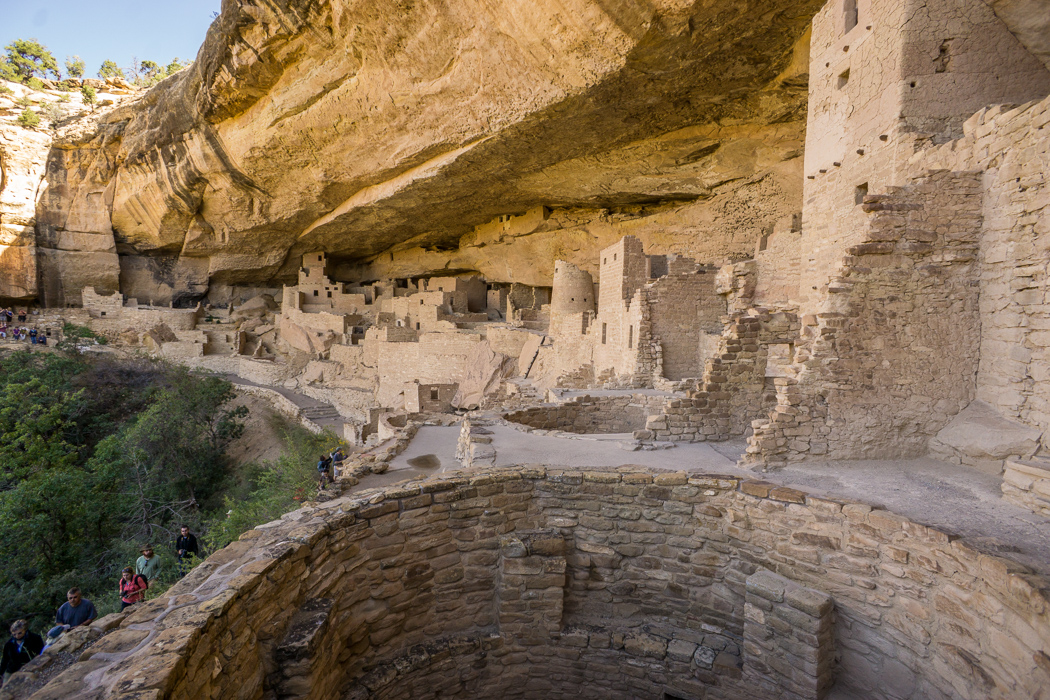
(325, 465)
(7, 315)
(20, 332)
(33, 335)
(24, 646)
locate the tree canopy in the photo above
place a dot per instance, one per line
(109, 69)
(27, 58)
(97, 457)
(74, 67)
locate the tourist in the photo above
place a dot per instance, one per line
(185, 549)
(337, 461)
(32, 336)
(132, 587)
(148, 565)
(323, 464)
(21, 315)
(21, 648)
(73, 613)
(42, 340)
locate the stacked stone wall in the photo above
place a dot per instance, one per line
(683, 310)
(732, 389)
(421, 577)
(1011, 144)
(589, 414)
(893, 355)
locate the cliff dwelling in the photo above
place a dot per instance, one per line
(683, 350)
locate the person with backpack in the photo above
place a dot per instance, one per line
(323, 465)
(132, 587)
(21, 648)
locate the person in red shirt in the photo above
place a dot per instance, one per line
(132, 587)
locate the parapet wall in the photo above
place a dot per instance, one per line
(533, 583)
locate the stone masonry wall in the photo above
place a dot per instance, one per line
(893, 354)
(1012, 146)
(654, 598)
(683, 309)
(732, 387)
(590, 414)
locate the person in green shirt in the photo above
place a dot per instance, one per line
(148, 565)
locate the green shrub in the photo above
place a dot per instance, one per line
(272, 489)
(4, 90)
(88, 93)
(35, 84)
(28, 118)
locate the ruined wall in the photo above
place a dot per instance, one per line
(684, 312)
(641, 581)
(733, 388)
(1012, 146)
(592, 414)
(437, 358)
(893, 354)
(910, 72)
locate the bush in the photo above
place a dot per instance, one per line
(28, 118)
(88, 93)
(272, 489)
(4, 90)
(53, 112)
(35, 84)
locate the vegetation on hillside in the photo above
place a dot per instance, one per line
(99, 456)
(26, 61)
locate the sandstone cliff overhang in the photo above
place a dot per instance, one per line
(352, 127)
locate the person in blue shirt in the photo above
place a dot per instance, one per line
(73, 613)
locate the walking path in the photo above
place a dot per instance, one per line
(319, 412)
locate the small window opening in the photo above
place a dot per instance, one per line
(630, 337)
(859, 193)
(329, 295)
(614, 256)
(849, 10)
(417, 325)
(318, 258)
(605, 261)
(433, 394)
(315, 293)
(604, 328)
(843, 78)
(103, 313)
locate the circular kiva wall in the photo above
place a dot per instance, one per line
(604, 584)
(592, 415)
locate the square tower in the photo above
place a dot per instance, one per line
(888, 77)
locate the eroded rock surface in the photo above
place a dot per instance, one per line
(353, 127)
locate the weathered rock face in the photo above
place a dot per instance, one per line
(353, 127)
(22, 157)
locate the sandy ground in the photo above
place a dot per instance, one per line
(956, 499)
(262, 440)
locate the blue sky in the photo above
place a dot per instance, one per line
(110, 29)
